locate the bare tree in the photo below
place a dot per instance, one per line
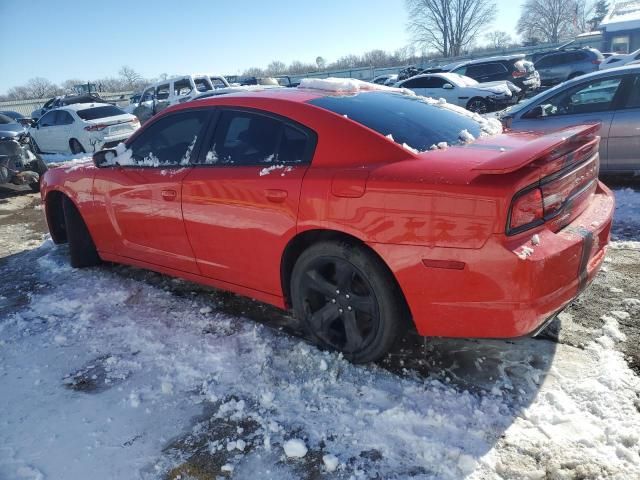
(553, 20)
(600, 10)
(276, 68)
(254, 72)
(39, 87)
(498, 39)
(448, 25)
(130, 77)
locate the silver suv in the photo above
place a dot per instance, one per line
(556, 67)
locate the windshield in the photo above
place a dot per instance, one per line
(4, 119)
(408, 119)
(100, 112)
(512, 110)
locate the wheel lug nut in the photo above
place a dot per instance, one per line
(347, 295)
(348, 308)
(340, 310)
(338, 292)
(333, 300)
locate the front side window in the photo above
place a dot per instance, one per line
(201, 84)
(170, 140)
(217, 82)
(147, 96)
(48, 119)
(593, 97)
(244, 138)
(420, 82)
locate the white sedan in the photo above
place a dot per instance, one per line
(620, 59)
(463, 91)
(82, 127)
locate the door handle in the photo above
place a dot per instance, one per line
(276, 195)
(169, 195)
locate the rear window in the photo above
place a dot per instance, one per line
(4, 119)
(407, 118)
(100, 112)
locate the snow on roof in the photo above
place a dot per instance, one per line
(622, 16)
(343, 85)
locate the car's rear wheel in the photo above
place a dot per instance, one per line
(82, 250)
(346, 300)
(478, 105)
(76, 146)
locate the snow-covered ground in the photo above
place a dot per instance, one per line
(111, 372)
(105, 376)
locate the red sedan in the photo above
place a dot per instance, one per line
(365, 212)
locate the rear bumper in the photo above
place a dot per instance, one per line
(509, 287)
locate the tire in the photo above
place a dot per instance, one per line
(347, 300)
(478, 105)
(76, 147)
(82, 250)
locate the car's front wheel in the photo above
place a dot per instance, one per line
(478, 105)
(346, 300)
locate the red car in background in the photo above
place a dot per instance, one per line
(359, 210)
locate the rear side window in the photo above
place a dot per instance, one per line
(100, 112)
(407, 118)
(201, 84)
(245, 138)
(217, 82)
(63, 118)
(162, 92)
(182, 87)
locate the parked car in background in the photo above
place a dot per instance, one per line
(335, 204)
(463, 91)
(82, 127)
(160, 95)
(235, 89)
(285, 81)
(387, 79)
(609, 98)
(564, 65)
(63, 100)
(513, 68)
(9, 127)
(13, 115)
(620, 59)
(18, 164)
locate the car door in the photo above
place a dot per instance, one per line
(142, 197)
(44, 130)
(240, 203)
(434, 87)
(62, 131)
(591, 102)
(144, 109)
(623, 150)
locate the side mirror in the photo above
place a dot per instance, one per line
(535, 112)
(447, 86)
(104, 158)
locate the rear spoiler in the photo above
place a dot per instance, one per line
(554, 144)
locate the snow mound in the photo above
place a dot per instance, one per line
(345, 85)
(295, 448)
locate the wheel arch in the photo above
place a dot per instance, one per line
(303, 240)
(54, 214)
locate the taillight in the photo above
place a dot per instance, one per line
(551, 196)
(95, 128)
(526, 211)
(596, 62)
(518, 73)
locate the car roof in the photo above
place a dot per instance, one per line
(499, 58)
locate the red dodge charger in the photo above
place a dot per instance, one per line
(363, 211)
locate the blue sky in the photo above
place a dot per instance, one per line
(62, 39)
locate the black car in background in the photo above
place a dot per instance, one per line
(63, 100)
(514, 68)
